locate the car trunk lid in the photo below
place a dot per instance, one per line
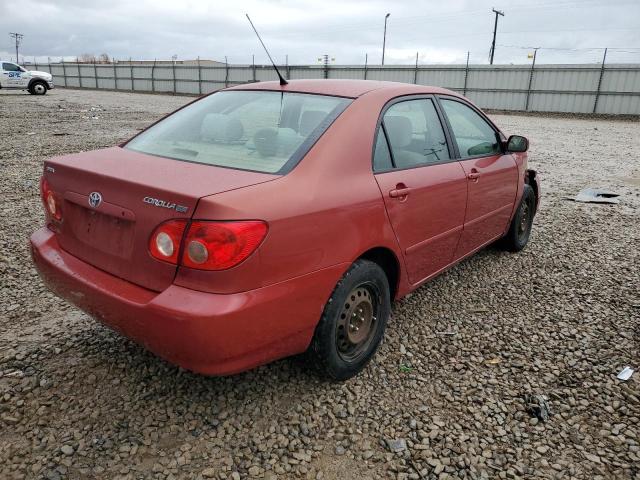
(133, 193)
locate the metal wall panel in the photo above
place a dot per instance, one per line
(163, 73)
(404, 75)
(619, 104)
(142, 71)
(306, 72)
(241, 74)
(445, 78)
(184, 72)
(142, 85)
(213, 73)
(183, 86)
(561, 102)
(504, 100)
(570, 79)
(498, 78)
(347, 73)
(621, 80)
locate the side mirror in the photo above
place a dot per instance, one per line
(517, 144)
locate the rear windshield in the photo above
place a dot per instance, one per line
(261, 131)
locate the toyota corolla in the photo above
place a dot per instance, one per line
(267, 220)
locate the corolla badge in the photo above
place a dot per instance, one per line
(165, 204)
(95, 199)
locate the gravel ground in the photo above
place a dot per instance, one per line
(445, 397)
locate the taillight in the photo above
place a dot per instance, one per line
(52, 204)
(208, 245)
(221, 245)
(165, 241)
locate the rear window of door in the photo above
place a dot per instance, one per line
(414, 135)
(473, 135)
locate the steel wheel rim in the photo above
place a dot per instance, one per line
(357, 322)
(38, 88)
(525, 220)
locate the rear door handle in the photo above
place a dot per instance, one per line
(399, 192)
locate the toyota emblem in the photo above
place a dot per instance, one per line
(95, 199)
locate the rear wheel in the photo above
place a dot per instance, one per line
(38, 88)
(353, 322)
(520, 229)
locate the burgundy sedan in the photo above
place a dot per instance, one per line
(264, 221)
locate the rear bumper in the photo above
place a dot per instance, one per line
(203, 332)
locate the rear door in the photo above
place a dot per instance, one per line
(424, 189)
(492, 176)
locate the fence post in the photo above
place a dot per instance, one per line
(595, 103)
(415, 72)
(153, 79)
(173, 73)
(199, 77)
(286, 61)
(366, 61)
(466, 75)
(253, 66)
(49, 65)
(115, 74)
(131, 74)
(95, 72)
(79, 72)
(226, 72)
(533, 66)
(64, 72)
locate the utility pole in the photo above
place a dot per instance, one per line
(495, 28)
(384, 38)
(18, 37)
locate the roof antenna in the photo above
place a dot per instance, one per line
(282, 80)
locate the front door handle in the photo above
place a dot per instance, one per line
(473, 175)
(399, 192)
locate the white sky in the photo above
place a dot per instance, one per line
(570, 31)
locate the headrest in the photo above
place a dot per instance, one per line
(399, 130)
(217, 127)
(310, 120)
(276, 141)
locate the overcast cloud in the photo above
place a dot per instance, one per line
(441, 31)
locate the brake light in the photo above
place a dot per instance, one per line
(165, 241)
(50, 200)
(221, 245)
(208, 245)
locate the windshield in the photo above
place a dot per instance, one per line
(261, 131)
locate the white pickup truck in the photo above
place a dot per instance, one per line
(15, 76)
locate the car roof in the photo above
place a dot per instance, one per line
(343, 88)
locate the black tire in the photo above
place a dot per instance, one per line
(520, 229)
(334, 351)
(38, 88)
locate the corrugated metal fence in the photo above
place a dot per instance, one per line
(606, 89)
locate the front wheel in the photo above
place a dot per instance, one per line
(38, 88)
(353, 322)
(520, 229)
